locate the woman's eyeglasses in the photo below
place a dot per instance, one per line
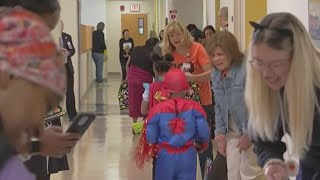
(276, 66)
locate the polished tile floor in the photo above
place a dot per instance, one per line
(105, 151)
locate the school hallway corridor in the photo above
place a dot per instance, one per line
(105, 152)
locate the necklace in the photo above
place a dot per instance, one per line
(291, 164)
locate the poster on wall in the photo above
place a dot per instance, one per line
(173, 15)
(314, 21)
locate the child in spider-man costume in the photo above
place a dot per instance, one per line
(179, 129)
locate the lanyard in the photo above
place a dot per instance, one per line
(291, 164)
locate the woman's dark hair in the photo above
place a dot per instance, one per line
(36, 6)
(160, 36)
(197, 34)
(191, 27)
(162, 64)
(125, 30)
(100, 26)
(152, 42)
(209, 27)
(9, 3)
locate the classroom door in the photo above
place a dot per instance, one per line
(137, 24)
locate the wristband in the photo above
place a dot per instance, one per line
(35, 146)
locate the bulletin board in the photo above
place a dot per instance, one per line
(85, 38)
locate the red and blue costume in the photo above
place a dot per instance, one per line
(173, 128)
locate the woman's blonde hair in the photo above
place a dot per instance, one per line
(283, 31)
(228, 43)
(167, 47)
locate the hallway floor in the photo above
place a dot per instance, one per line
(105, 152)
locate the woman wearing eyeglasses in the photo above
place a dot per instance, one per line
(283, 96)
(231, 117)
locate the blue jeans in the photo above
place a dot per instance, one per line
(98, 59)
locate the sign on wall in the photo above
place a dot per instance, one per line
(173, 15)
(135, 8)
(122, 8)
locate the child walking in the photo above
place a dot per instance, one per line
(178, 127)
(161, 65)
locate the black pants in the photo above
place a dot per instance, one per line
(208, 152)
(70, 99)
(219, 169)
(307, 173)
(123, 63)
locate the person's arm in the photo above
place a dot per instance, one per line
(103, 43)
(201, 77)
(120, 44)
(220, 130)
(52, 142)
(144, 107)
(204, 61)
(120, 49)
(70, 48)
(145, 99)
(220, 127)
(152, 129)
(127, 65)
(132, 43)
(55, 143)
(267, 151)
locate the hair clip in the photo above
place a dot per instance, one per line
(256, 26)
(282, 31)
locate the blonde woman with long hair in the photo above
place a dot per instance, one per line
(193, 59)
(282, 95)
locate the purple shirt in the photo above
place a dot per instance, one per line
(14, 169)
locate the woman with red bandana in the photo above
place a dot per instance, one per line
(32, 80)
(179, 128)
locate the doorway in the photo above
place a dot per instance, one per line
(137, 24)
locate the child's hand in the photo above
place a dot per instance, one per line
(198, 147)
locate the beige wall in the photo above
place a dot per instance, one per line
(298, 8)
(189, 12)
(91, 13)
(69, 16)
(113, 27)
